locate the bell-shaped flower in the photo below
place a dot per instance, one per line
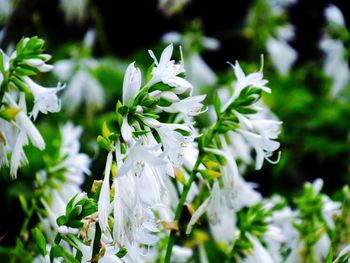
(18, 157)
(174, 142)
(131, 84)
(258, 253)
(283, 55)
(255, 79)
(138, 155)
(167, 71)
(190, 106)
(45, 99)
(334, 15)
(264, 148)
(126, 131)
(24, 123)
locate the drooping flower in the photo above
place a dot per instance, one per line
(190, 106)
(45, 99)
(138, 156)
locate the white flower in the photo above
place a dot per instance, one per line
(24, 123)
(40, 63)
(166, 71)
(264, 148)
(197, 214)
(110, 256)
(225, 230)
(18, 157)
(6, 8)
(139, 155)
(174, 142)
(199, 73)
(82, 87)
(126, 131)
(104, 199)
(330, 209)
(45, 99)
(335, 65)
(190, 106)
(343, 252)
(259, 133)
(76, 164)
(181, 254)
(283, 55)
(171, 7)
(334, 15)
(131, 84)
(74, 10)
(259, 253)
(254, 80)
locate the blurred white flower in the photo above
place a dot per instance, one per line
(75, 10)
(283, 55)
(335, 65)
(82, 86)
(198, 73)
(170, 7)
(258, 254)
(72, 165)
(181, 254)
(334, 15)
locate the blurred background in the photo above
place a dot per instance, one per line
(315, 140)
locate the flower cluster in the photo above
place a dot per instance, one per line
(332, 44)
(276, 34)
(16, 127)
(77, 72)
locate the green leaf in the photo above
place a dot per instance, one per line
(19, 84)
(57, 252)
(122, 252)
(246, 110)
(61, 220)
(23, 202)
(149, 72)
(104, 143)
(2, 62)
(123, 110)
(76, 211)
(40, 240)
(140, 133)
(69, 206)
(329, 258)
(217, 104)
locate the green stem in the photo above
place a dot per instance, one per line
(29, 215)
(206, 141)
(180, 206)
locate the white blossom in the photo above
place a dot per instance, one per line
(45, 99)
(131, 84)
(104, 199)
(167, 71)
(334, 15)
